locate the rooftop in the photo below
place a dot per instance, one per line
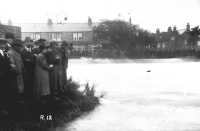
(66, 27)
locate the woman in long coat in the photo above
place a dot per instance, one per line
(42, 69)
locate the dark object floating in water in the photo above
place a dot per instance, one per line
(149, 71)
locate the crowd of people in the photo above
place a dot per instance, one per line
(31, 71)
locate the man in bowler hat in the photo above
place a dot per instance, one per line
(4, 72)
(29, 65)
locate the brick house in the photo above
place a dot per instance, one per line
(80, 34)
(173, 39)
(10, 29)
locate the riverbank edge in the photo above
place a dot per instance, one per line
(72, 104)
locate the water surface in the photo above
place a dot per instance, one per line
(141, 94)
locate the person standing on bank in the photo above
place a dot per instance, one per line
(17, 83)
(65, 55)
(4, 72)
(56, 74)
(41, 83)
(29, 64)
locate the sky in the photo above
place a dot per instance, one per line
(148, 14)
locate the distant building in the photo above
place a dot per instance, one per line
(4, 29)
(174, 39)
(80, 34)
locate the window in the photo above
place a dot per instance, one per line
(172, 38)
(77, 36)
(35, 36)
(56, 36)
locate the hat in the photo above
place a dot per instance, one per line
(65, 43)
(3, 41)
(37, 43)
(42, 40)
(52, 42)
(9, 36)
(27, 39)
(17, 42)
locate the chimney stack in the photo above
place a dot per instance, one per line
(89, 21)
(157, 31)
(188, 27)
(169, 29)
(174, 28)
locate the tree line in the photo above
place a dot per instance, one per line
(130, 39)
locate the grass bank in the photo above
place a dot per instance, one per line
(37, 116)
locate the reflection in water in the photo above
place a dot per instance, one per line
(142, 94)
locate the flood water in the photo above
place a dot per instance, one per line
(141, 94)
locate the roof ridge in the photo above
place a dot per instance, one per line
(56, 23)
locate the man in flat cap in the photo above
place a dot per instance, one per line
(56, 83)
(17, 83)
(42, 41)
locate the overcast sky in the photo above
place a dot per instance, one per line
(148, 14)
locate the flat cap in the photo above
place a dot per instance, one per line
(52, 42)
(3, 41)
(16, 42)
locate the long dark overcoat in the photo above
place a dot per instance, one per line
(65, 56)
(15, 59)
(41, 81)
(29, 64)
(56, 76)
(4, 72)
